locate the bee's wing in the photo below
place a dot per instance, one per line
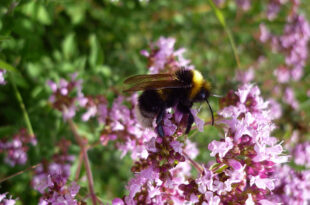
(151, 77)
(156, 85)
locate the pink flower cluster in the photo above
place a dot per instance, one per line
(58, 193)
(301, 154)
(63, 98)
(158, 178)
(121, 124)
(50, 178)
(291, 187)
(293, 44)
(68, 98)
(16, 149)
(163, 57)
(245, 158)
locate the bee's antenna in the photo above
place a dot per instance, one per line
(211, 112)
(217, 96)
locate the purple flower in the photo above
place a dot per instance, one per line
(244, 4)
(95, 107)
(6, 201)
(274, 8)
(289, 98)
(292, 187)
(118, 201)
(62, 98)
(245, 76)
(264, 33)
(283, 74)
(247, 154)
(59, 193)
(275, 108)
(300, 153)
(169, 127)
(199, 122)
(220, 148)
(58, 169)
(293, 44)
(2, 80)
(16, 149)
(159, 176)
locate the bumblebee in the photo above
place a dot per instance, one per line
(161, 91)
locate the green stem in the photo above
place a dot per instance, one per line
(22, 106)
(219, 15)
(221, 169)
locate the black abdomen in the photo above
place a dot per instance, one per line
(150, 101)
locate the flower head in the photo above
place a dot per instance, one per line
(16, 149)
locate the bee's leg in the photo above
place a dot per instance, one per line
(190, 120)
(159, 120)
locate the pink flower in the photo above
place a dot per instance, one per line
(264, 33)
(2, 81)
(249, 201)
(59, 193)
(220, 148)
(6, 201)
(289, 98)
(300, 153)
(199, 122)
(244, 4)
(283, 74)
(118, 201)
(292, 187)
(245, 76)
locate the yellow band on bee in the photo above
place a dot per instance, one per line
(197, 83)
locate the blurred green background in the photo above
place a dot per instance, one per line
(101, 40)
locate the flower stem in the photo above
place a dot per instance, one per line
(219, 15)
(195, 164)
(83, 147)
(18, 173)
(78, 170)
(22, 106)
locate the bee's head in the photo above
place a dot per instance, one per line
(203, 93)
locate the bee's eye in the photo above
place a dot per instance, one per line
(202, 95)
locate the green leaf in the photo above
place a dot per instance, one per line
(96, 53)
(43, 15)
(37, 11)
(69, 47)
(6, 66)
